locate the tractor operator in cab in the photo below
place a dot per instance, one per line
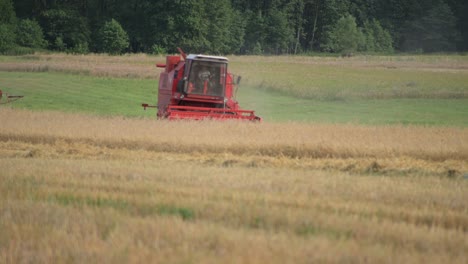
(200, 81)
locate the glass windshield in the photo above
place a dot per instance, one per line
(207, 78)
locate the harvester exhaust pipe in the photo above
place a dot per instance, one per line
(182, 53)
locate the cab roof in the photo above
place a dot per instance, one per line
(202, 57)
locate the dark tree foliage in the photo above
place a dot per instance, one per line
(344, 37)
(112, 38)
(29, 34)
(7, 25)
(434, 31)
(254, 33)
(278, 34)
(245, 26)
(7, 37)
(65, 29)
(182, 24)
(460, 11)
(7, 12)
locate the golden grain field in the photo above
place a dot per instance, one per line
(143, 66)
(76, 188)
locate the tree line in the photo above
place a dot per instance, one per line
(234, 26)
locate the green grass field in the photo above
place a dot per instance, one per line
(273, 106)
(79, 93)
(119, 96)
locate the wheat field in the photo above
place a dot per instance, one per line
(78, 188)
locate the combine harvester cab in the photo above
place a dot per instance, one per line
(198, 87)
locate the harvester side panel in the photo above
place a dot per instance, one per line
(165, 93)
(166, 84)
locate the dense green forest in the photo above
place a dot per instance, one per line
(234, 26)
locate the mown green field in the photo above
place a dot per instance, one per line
(273, 106)
(117, 96)
(79, 93)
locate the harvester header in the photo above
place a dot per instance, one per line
(198, 87)
(7, 98)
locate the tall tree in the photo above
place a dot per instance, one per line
(344, 37)
(322, 16)
(7, 25)
(29, 34)
(8, 15)
(254, 33)
(435, 30)
(112, 38)
(377, 39)
(180, 24)
(460, 10)
(463, 26)
(237, 32)
(65, 29)
(277, 33)
(220, 17)
(295, 15)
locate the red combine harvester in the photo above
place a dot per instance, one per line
(198, 87)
